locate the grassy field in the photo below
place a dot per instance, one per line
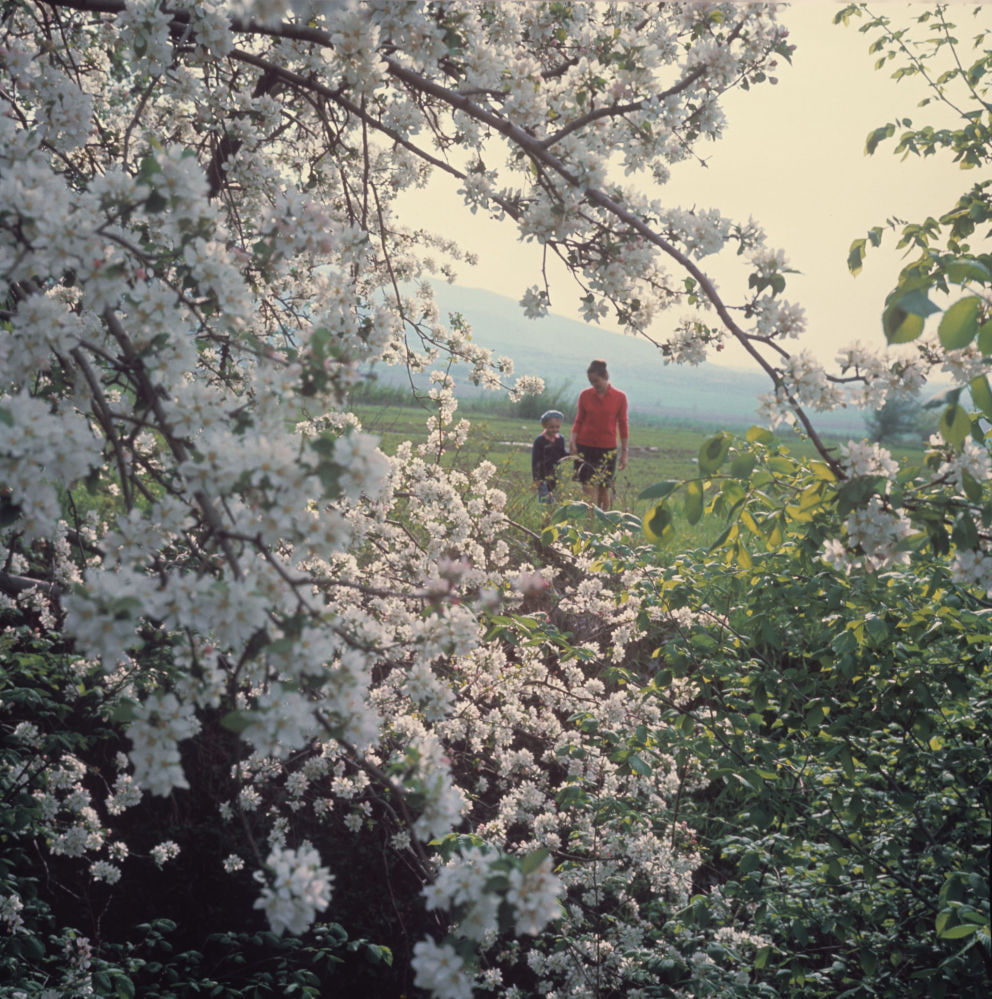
(656, 453)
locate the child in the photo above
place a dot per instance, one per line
(547, 450)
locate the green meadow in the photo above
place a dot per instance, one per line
(657, 451)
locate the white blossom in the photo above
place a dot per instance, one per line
(297, 888)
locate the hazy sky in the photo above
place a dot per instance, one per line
(792, 157)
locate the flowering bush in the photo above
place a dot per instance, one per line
(232, 616)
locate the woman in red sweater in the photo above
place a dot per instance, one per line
(601, 415)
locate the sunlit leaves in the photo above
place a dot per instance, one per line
(713, 453)
(906, 311)
(985, 338)
(657, 524)
(955, 424)
(981, 394)
(966, 269)
(959, 323)
(742, 465)
(693, 501)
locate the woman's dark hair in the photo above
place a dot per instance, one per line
(598, 367)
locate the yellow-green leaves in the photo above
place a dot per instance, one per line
(959, 324)
(657, 524)
(985, 338)
(713, 453)
(981, 394)
(906, 310)
(966, 269)
(955, 424)
(693, 501)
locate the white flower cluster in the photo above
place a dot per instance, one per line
(463, 885)
(39, 448)
(777, 318)
(296, 888)
(972, 460)
(534, 894)
(161, 722)
(165, 851)
(687, 345)
(867, 458)
(807, 380)
(973, 568)
(875, 539)
(440, 969)
(194, 302)
(10, 913)
(701, 232)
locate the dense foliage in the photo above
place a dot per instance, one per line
(281, 715)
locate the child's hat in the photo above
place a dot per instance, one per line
(551, 414)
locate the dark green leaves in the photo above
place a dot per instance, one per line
(878, 135)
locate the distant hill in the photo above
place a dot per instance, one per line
(558, 349)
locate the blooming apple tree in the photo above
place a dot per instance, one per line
(199, 249)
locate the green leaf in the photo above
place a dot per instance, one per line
(877, 135)
(901, 326)
(972, 487)
(759, 435)
(639, 767)
(236, 721)
(713, 453)
(742, 465)
(723, 536)
(948, 398)
(533, 860)
(965, 534)
(981, 394)
(856, 256)
(570, 511)
(856, 492)
(694, 501)
(955, 425)
(657, 524)
(985, 338)
(957, 932)
(659, 490)
(5, 417)
(959, 324)
(123, 712)
(966, 269)
(916, 302)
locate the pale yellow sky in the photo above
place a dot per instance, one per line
(792, 157)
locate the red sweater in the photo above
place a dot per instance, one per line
(599, 417)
